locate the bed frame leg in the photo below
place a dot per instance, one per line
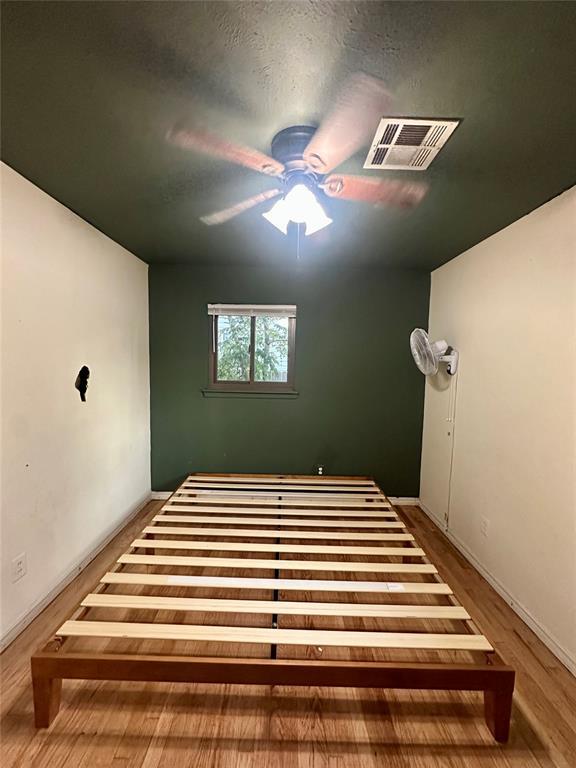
(497, 712)
(47, 692)
(46, 688)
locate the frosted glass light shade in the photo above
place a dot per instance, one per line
(300, 206)
(278, 216)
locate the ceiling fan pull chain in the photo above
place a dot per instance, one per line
(298, 242)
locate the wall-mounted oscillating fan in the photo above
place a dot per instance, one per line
(427, 355)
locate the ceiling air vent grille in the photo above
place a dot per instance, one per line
(408, 144)
(390, 133)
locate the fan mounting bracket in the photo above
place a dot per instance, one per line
(451, 360)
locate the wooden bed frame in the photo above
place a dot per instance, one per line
(285, 515)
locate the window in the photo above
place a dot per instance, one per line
(252, 347)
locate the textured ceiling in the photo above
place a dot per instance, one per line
(89, 90)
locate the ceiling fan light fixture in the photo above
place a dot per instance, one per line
(317, 221)
(278, 216)
(301, 206)
(299, 201)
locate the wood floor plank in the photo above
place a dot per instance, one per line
(273, 534)
(320, 549)
(280, 607)
(406, 640)
(283, 565)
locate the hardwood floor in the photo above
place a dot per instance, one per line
(146, 725)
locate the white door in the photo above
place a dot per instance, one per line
(437, 442)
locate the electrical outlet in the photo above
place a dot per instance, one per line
(19, 567)
(484, 526)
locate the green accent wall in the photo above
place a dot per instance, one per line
(360, 403)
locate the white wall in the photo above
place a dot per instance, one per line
(509, 306)
(71, 472)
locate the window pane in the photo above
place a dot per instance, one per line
(233, 349)
(271, 353)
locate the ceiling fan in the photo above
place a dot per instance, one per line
(303, 158)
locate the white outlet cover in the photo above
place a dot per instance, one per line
(19, 567)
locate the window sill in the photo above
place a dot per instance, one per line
(273, 394)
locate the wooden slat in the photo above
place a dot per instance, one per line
(320, 549)
(277, 502)
(187, 507)
(406, 640)
(280, 607)
(283, 565)
(282, 479)
(286, 493)
(311, 585)
(272, 534)
(283, 489)
(275, 522)
(294, 500)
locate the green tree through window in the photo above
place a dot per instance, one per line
(252, 350)
(271, 349)
(234, 348)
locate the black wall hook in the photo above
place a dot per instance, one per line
(81, 383)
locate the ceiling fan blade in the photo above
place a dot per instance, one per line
(381, 192)
(228, 213)
(208, 144)
(350, 124)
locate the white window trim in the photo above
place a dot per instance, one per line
(253, 310)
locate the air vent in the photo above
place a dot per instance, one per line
(408, 144)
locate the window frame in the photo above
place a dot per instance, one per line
(251, 385)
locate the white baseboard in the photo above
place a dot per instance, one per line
(439, 522)
(404, 501)
(550, 642)
(161, 494)
(11, 634)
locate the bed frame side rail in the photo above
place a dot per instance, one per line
(50, 667)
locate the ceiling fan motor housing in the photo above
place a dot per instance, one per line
(288, 147)
(289, 144)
